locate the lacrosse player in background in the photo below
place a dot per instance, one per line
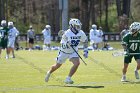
(70, 39)
(47, 37)
(131, 45)
(12, 34)
(30, 37)
(3, 36)
(100, 36)
(93, 35)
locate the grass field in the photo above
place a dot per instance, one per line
(25, 74)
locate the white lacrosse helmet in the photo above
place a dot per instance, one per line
(135, 26)
(30, 26)
(48, 26)
(94, 26)
(10, 24)
(3, 23)
(75, 24)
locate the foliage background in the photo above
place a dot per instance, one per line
(105, 13)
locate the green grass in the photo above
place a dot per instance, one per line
(25, 74)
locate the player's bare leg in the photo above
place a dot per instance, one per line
(53, 68)
(124, 70)
(137, 68)
(13, 54)
(0, 52)
(7, 53)
(73, 69)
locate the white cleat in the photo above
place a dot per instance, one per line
(136, 74)
(123, 79)
(68, 81)
(13, 56)
(47, 77)
(7, 57)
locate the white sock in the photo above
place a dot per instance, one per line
(136, 69)
(124, 75)
(48, 72)
(68, 77)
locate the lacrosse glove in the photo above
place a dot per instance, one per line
(126, 52)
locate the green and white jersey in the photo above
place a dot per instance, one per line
(3, 33)
(132, 43)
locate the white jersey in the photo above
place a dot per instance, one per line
(73, 38)
(12, 33)
(46, 33)
(100, 33)
(93, 34)
(100, 36)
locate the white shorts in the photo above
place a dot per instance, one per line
(62, 57)
(11, 43)
(47, 40)
(99, 40)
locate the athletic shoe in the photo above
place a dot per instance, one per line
(136, 74)
(7, 57)
(47, 77)
(13, 56)
(68, 81)
(123, 79)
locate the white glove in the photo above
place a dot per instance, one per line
(85, 53)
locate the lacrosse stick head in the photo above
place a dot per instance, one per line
(118, 53)
(60, 33)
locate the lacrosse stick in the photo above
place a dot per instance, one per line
(79, 55)
(60, 33)
(120, 53)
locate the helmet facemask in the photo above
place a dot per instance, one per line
(75, 25)
(75, 28)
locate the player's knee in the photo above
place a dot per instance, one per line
(76, 63)
(56, 66)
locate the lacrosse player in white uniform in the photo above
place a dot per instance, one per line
(93, 35)
(71, 38)
(13, 32)
(100, 36)
(47, 36)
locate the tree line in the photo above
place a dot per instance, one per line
(112, 15)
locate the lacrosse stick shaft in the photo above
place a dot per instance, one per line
(79, 56)
(122, 54)
(133, 53)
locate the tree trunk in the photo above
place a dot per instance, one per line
(106, 16)
(2, 9)
(24, 14)
(93, 15)
(126, 7)
(118, 4)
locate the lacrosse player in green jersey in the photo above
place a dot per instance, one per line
(131, 45)
(3, 36)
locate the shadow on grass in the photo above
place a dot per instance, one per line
(131, 82)
(76, 86)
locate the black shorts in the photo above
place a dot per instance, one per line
(128, 59)
(31, 40)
